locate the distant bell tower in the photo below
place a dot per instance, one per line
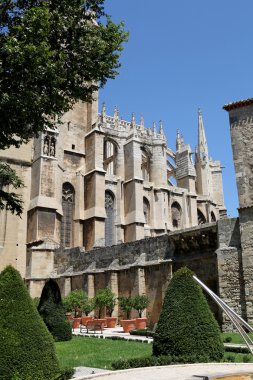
(204, 178)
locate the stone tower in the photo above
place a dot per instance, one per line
(208, 172)
(241, 130)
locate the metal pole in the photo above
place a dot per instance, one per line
(235, 318)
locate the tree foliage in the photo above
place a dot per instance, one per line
(27, 348)
(52, 311)
(126, 304)
(78, 300)
(140, 303)
(186, 325)
(52, 54)
(9, 200)
(105, 298)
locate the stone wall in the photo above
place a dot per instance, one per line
(143, 266)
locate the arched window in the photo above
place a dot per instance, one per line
(213, 218)
(201, 217)
(109, 221)
(68, 202)
(110, 155)
(146, 210)
(176, 214)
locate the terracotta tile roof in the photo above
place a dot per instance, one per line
(240, 103)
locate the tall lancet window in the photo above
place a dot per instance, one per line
(110, 154)
(146, 210)
(176, 214)
(68, 203)
(109, 221)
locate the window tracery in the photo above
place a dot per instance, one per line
(109, 221)
(68, 201)
(110, 156)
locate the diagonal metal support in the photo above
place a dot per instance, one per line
(239, 323)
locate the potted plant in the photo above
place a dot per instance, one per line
(87, 307)
(126, 304)
(74, 301)
(105, 300)
(140, 303)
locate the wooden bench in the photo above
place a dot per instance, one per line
(92, 325)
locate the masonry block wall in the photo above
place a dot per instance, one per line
(241, 130)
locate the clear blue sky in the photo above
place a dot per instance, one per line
(182, 55)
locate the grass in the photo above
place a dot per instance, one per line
(98, 353)
(238, 358)
(236, 337)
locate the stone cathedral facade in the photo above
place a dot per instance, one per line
(98, 180)
(108, 204)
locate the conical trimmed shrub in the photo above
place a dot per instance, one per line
(27, 348)
(186, 326)
(52, 311)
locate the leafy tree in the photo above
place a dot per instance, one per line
(186, 325)
(52, 311)
(27, 348)
(105, 298)
(88, 305)
(78, 300)
(8, 199)
(140, 303)
(126, 304)
(53, 53)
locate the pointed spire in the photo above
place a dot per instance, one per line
(133, 121)
(154, 129)
(161, 128)
(103, 109)
(142, 123)
(202, 144)
(178, 141)
(116, 113)
(182, 139)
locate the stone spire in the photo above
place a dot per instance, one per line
(103, 109)
(154, 129)
(116, 113)
(161, 128)
(142, 123)
(178, 141)
(202, 144)
(133, 121)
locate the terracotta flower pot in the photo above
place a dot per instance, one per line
(111, 322)
(86, 319)
(128, 324)
(76, 323)
(140, 323)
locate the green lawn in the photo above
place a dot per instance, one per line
(98, 353)
(236, 337)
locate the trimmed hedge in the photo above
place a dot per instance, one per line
(27, 348)
(52, 311)
(186, 325)
(145, 332)
(152, 361)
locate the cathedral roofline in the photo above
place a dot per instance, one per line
(238, 104)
